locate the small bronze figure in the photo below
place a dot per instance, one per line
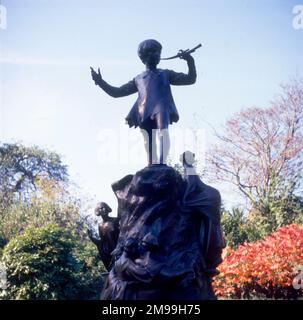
(108, 231)
(155, 108)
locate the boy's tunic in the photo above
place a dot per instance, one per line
(154, 95)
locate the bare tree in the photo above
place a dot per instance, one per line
(261, 149)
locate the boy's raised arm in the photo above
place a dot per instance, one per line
(179, 78)
(116, 92)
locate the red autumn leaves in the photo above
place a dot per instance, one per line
(263, 269)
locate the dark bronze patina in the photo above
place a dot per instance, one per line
(154, 108)
(166, 241)
(181, 52)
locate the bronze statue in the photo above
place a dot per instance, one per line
(170, 240)
(155, 107)
(204, 200)
(166, 241)
(108, 231)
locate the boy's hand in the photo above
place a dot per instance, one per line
(96, 76)
(185, 56)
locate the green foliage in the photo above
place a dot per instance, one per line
(34, 191)
(2, 244)
(50, 263)
(257, 228)
(38, 212)
(42, 241)
(238, 227)
(287, 210)
(234, 227)
(91, 267)
(20, 166)
(277, 212)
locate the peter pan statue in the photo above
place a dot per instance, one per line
(155, 108)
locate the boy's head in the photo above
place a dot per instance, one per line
(102, 209)
(149, 52)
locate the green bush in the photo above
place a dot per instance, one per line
(39, 211)
(90, 268)
(239, 227)
(50, 263)
(234, 227)
(2, 244)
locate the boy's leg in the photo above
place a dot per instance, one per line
(153, 147)
(162, 122)
(164, 145)
(149, 137)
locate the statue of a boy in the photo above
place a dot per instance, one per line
(155, 107)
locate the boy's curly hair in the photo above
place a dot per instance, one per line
(147, 45)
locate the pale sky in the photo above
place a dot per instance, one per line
(48, 98)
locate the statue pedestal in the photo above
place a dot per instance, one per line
(169, 244)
